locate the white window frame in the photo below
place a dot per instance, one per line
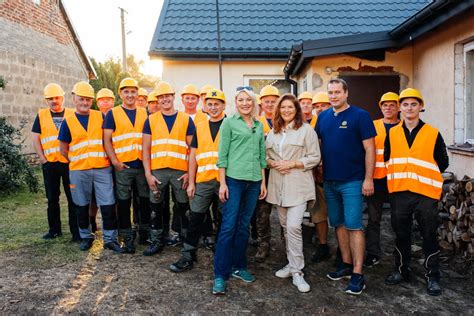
(468, 47)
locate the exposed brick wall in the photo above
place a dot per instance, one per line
(31, 56)
(45, 18)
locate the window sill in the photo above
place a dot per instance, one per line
(464, 149)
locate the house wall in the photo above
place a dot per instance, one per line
(36, 48)
(435, 75)
(327, 67)
(180, 73)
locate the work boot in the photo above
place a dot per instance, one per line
(209, 243)
(52, 235)
(86, 244)
(321, 253)
(129, 246)
(263, 251)
(114, 246)
(153, 249)
(432, 287)
(396, 277)
(181, 265)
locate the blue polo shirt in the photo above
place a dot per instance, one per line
(341, 138)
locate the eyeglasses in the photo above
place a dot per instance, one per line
(244, 88)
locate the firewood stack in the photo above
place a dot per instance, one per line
(456, 209)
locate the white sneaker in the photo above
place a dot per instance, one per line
(300, 283)
(283, 272)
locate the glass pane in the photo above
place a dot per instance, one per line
(470, 96)
(280, 84)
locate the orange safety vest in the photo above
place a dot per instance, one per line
(313, 121)
(169, 150)
(380, 170)
(86, 150)
(206, 154)
(266, 127)
(200, 117)
(49, 135)
(127, 139)
(414, 169)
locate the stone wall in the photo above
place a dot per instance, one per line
(36, 48)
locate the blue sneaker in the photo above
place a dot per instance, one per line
(218, 288)
(344, 273)
(357, 284)
(244, 275)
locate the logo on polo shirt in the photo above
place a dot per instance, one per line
(343, 124)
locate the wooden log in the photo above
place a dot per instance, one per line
(444, 216)
(452, 210)
(448, 176)
(469, 186)
(465, 237)
(449, 237)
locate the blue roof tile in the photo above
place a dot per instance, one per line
(270, 26)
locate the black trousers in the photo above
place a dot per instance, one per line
(372, 231)
(53, 173)
(404, 205)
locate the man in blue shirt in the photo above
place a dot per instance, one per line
(348, 150)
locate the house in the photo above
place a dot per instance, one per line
(38, 45)
(432, 50)
(231, 43)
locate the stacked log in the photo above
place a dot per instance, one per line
(456, 210)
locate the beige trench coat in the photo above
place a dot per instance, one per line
(297, 187)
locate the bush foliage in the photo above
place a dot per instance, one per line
(14, 168)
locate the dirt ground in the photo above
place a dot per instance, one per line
(102, 282)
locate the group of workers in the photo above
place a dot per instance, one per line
(223, 175)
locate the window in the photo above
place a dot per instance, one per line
(258, 82)
(469, 92)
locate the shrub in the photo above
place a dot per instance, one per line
(15, 171)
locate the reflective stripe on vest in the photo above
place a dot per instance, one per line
(169, 149)
(380, 170)
(127, 138)
(49, 135)
(86, 150)
(206, 154)
(414, 169)
(266, 127)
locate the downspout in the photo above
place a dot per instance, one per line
(293, 83)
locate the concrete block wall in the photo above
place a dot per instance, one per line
(33, 55)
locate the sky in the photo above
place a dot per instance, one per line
(97, 23)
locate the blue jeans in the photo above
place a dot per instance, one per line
(345, 201)
(231, 249)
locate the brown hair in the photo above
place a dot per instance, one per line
(278, 122)
(339, 81)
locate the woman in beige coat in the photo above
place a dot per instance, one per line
(292, 151)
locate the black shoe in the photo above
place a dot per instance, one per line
(114, 246)
(321, 253)
(371, 261)
(181, 265)
(153, 249)
(129, 247)
(174, 241)
(209, 243)
(143, 237)
(76, 239)
(433, 288)
(396, 277)
(52, 235)
(86, 244)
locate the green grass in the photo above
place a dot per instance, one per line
(24, 222)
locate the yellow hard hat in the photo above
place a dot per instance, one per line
(320, 97)
(142, 92)
(105, 93)
(190, 89)
(206, 88)
(257, 96)
(128, 82)
(83, 89)
(53, 90)
(411, 93)
(163, 88)
(152, 97)
(305, 95)
(269, 90)
(215, 94)
(389, 96)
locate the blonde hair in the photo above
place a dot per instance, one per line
(250, 93)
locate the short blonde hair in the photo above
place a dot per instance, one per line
(251, 94)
